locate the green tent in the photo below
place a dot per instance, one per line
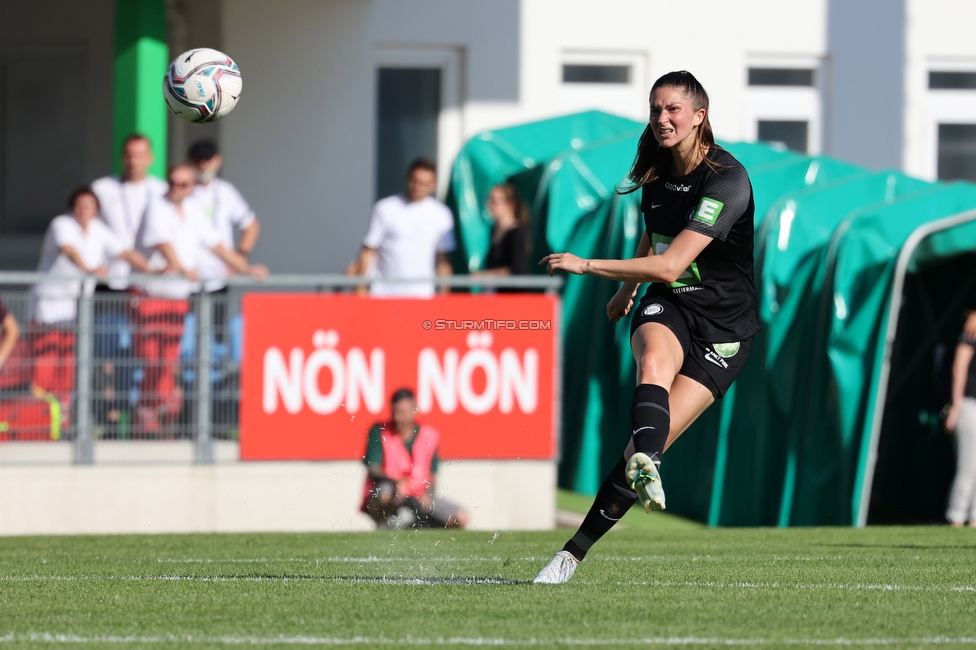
(791, 442)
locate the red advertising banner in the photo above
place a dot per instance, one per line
(319, 370)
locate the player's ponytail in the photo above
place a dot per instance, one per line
(652, 160)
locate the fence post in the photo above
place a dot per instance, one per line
(84, 444)
(204, 452)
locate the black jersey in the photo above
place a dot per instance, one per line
(717, 292)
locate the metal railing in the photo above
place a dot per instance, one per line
(121, 366)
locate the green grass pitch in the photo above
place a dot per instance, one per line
(661, 582)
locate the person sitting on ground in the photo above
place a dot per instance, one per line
(401, 460)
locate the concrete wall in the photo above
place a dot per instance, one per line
(298, 143)
(122, 495)
(82, 28)
(191, 24)
(867, 81)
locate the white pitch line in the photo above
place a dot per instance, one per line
(48, 637)
(455, 579)
(799, 587)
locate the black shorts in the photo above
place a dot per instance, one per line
(714, 365)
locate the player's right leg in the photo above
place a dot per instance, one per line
(688, 400)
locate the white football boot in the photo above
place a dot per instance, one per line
(559, 570)
(645, 477)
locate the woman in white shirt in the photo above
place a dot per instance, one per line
(76, 244)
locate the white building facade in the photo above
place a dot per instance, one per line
(340, 94)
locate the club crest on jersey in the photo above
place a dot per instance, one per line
(653, 310)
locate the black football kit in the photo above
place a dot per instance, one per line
(711, 307)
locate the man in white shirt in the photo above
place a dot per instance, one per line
(124, 199)
(226, 210)
(175, 236)
(410, 236)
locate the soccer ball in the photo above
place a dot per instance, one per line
(202, 85)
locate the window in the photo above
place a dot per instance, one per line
(952, 80)
(605, 80)
(781, 77)
(417, 104)
(789, 134)
(957, 152)
(783, 103)
(596, 74)
(409, 103)
(945, 123)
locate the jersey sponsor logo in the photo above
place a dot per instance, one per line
(653, 310)
(726, 350)
(677, 187)
(690, 277)
(708, 210)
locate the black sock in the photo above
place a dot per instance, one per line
(650, 419)
(613, 500)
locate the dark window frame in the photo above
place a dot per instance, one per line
(770, 77)
(597, 73)
(952, 79)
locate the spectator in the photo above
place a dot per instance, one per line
(401, 461)
(124, 199)
(226, 210)
(508, 253)
(175, 235)
(75, 244)
(962, 420)
(9, 333)
(409, 236)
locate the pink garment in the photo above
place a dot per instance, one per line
(398, 463)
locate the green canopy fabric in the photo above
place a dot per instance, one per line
(790, 444)
(495, 156)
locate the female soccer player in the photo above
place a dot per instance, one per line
(692, 330)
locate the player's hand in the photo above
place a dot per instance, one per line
(620, 305)
(258, 271)
(565, 261)
(969, 327)
(952, 418)
(191, 275)
(100, 272)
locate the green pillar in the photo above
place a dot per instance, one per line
(141, 57)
